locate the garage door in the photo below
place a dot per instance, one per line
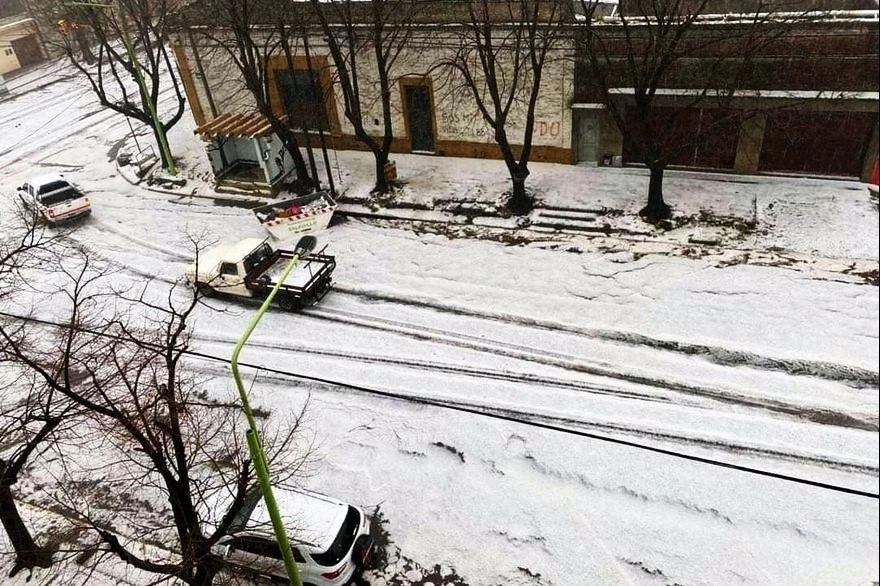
(27, 49)
(820, 143)
(701, 137)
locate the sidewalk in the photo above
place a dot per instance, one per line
(823, 224)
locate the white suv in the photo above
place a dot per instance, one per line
(330, 539)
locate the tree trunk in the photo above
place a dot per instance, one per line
(320, 120)
(381, 184)
(311, 154)
(27, 554)
(656, 210)
(207, 568)
(520, 204)
(159, 135)
(304, 182)
(82, 40)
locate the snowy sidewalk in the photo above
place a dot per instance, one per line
(823, 217)
(821, 225)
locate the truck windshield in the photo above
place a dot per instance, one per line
(56, 192)
(261, 253)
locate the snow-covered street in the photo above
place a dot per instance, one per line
(439, 359)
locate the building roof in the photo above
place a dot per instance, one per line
(203, 13)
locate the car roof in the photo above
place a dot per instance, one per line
(311, 519)
(41, 180)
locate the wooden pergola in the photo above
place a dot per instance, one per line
(236, 126)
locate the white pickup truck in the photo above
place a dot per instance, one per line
(252, 267)
(53, 199)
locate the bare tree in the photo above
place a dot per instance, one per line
(31, 420)
(650, 46)
(500, 61)
(172, 454)
(365, 40)
(235, 29)
(30, 414)
(131, 44)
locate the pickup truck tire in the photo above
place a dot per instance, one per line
(288, 303)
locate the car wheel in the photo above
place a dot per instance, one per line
(205, 290)
(288, 303)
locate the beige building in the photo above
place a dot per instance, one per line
(431, 114)
(19, 43)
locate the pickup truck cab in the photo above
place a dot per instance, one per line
(54, 199)
(252, 267)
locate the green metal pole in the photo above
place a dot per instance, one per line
(157, 124)
(258, 456)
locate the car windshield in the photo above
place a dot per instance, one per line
(343, 542)
(57, 192)
(254, 259)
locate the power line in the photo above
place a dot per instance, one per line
(491, 414)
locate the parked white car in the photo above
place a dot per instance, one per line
(54, 199)
(330, 539)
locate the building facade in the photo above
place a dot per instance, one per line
(431, 114)
(806, 102)
(20, 45)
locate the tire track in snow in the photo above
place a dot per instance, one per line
(169, 252)
(509, 350)
(94, 252)
(443, 367)
(856, 376)
(593, 425)
(567, 362)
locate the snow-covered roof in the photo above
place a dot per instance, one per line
(747, 18)
(237, 125)
(779, 94)
(16, 23)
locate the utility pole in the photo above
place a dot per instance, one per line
(162, 139)
(305, 245)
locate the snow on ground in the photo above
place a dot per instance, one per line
(623, 335)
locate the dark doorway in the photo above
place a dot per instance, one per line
(421, 126)
(27, 50)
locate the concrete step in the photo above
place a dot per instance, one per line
(251, 187)
(575, 216)
(573, 225)
(558, 218)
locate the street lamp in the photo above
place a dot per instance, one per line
(142, 86)
(261, 466)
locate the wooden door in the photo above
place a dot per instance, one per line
(420, 118)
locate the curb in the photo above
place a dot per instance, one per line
(216, 196)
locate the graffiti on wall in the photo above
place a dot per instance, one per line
(464, 124)
(551, 128)
(472, 125)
